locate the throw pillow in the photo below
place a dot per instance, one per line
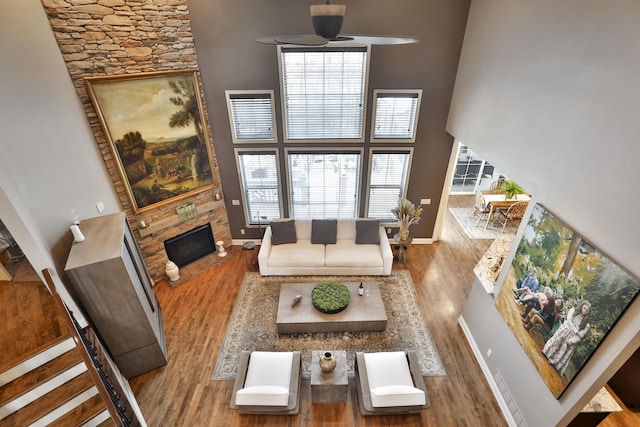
(368, 232)
(324, 231)
(283, 232)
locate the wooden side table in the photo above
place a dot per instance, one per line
(331, 387)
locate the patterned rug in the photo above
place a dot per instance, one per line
(469, 225)
(253, 325)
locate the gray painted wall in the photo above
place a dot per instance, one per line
(229, 58)
(549, 92)
(49, 161)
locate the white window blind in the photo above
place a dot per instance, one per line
(259, 179)
(387, 182)
(396, 114)
(251, 115)
(324, 184)
(324, 92)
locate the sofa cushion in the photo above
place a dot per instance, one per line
(368, 232)
(345, 253)
(283, 232)
(324, 231)
(300, 254)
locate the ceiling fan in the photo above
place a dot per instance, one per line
(327, 21)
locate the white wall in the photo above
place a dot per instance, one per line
(49, 161)
(549, 91)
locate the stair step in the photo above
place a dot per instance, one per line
(46, 404)
(40, 374)
(44, 354)
(83, 413)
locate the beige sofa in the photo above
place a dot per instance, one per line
(345, 257)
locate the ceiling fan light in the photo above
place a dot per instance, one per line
(327, 19)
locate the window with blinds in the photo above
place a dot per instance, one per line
(324, 184)
(395, 115)
(251, 115)
(324, 92)
(388, 178)
(259, 180)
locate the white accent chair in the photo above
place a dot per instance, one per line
(267, 383)
(390, 383)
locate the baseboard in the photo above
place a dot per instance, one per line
(487, 373)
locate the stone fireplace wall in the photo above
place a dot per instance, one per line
(116, 37)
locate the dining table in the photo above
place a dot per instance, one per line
(497, 200)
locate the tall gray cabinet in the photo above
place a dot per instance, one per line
(111, 282)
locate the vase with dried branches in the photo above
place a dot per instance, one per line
(407, 214)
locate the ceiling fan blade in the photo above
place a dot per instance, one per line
(315, 40)
(383, 40)
(302, 40)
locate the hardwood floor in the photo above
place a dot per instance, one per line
(196, 314)
(195, 318)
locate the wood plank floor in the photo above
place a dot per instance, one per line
(196, 315)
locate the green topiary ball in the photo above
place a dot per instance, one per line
(330, 297)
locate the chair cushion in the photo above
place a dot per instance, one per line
(324, 231)
(368, 232)
(283, 232)
(263, 395)
(267, 380)
(390, 381)
(397, 395)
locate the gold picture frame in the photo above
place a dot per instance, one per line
(154, 125)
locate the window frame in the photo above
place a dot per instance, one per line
(345, 46)
(325, 151)
(402, 93)
(259, 93)
(387, 150)
(245, 205)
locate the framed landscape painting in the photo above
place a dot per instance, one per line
(561, 297)
(154, 125)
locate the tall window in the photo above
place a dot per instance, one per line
(472, 172)
(251, 115)
(323, 184)
(324, 92)
(388, 177)
(395, 115)
(259, 179)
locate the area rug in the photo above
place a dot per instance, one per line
(252, 325)
(468, 224)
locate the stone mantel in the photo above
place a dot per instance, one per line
(171, 221)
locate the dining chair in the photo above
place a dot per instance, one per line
(480, 207)
(495, 185)
(514, 213)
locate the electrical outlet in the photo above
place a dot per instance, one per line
(242, 231)
(100, 206)
(425, 201)
(388, 232)
(489, 353)
(235, 202)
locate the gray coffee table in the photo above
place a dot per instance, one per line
(364, 313)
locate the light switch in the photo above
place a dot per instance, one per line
(235, 202)
(100, 206)
(425, 201)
